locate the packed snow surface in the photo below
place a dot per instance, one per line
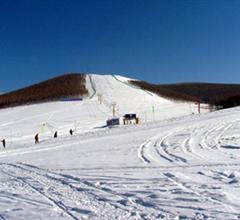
(174, 165)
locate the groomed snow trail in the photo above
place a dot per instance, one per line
(187, 168)
(175, 165)
(63, 196)
(202, 162)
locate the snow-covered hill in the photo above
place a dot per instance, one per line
(174, 165)
(128, 98)
(20, 124)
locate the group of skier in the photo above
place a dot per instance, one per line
(36, 137)
(54, 136)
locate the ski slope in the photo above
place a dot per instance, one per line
(174, 165)
(131, 99)
(20, 124)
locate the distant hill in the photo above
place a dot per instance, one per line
(219, 95)
(74, 85)
(69, 85)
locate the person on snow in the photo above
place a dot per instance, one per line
(55, 134)
(71, 132)
(3, 142)
(36, 139)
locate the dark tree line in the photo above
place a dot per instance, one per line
(216, 95)
(69, 85)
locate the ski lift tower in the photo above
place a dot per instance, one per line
(198, 103)
(99, 98)
(113, 105)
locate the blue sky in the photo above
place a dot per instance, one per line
(160, 41)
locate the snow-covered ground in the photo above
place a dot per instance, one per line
(174, 165)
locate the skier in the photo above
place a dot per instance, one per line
(36, 139)
(55, 134)
(71, 132)
(3, 142)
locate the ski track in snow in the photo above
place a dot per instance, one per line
(185, 148)
(180, 166)
(66, 192)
